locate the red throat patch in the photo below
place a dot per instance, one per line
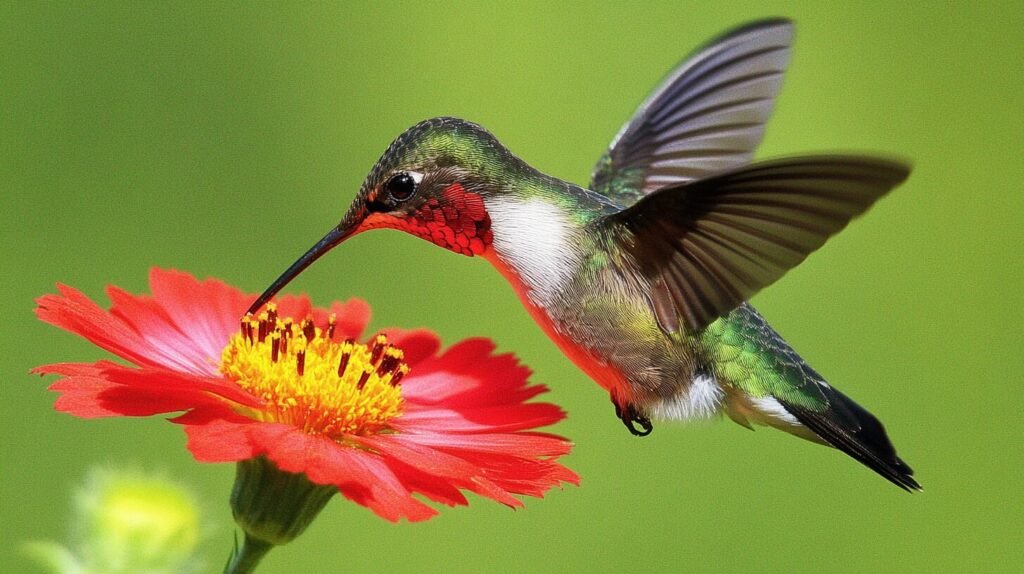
(457, 220)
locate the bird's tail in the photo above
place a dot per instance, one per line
(850, 428)
(769, 383)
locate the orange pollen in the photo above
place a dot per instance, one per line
(308, 380)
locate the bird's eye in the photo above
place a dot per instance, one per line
(401, 186)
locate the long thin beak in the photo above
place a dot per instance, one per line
(332, 239)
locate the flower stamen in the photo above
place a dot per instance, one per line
(346, 353)
(306, 379)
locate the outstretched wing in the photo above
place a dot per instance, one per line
(707, 246)
(707, 116)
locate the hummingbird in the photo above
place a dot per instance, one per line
(642, 277)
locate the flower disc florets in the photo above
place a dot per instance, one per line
(308, 380)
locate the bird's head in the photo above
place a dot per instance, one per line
(433, 182)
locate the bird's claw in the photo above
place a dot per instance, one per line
(632, 418)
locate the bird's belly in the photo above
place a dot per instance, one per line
(605, 374)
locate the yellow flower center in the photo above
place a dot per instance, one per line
(307, 380)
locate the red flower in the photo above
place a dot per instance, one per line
(379, 421)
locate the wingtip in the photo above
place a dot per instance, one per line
(775, 21)
(761, 25)
(894, 168)
(766, 22)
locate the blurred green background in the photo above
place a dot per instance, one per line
(141, 134)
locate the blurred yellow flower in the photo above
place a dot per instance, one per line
(127, 522)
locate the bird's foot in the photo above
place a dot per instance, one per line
(632, 419)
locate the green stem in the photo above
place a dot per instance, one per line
(244, 560)
(274, 506)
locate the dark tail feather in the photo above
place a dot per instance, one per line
(850, 428)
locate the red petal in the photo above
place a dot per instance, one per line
(361, 476)
(87, 393)
(515, 444)
(508, 418)
(527, 476)
(433, 487)
(468, 375)
(352, 318)
(440, 465)
(73, 369)
(76, 313)
(176, 349)
(219, 437)
(432, 387)
(183, 386)
(79, 390)
(106, 389)
(297, 307)
(208, 310)
(417, 344)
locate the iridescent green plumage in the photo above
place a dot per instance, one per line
(747, 354)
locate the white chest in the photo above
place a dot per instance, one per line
(534, 240)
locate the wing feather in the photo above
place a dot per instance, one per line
(714, 243)
(707, 116)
